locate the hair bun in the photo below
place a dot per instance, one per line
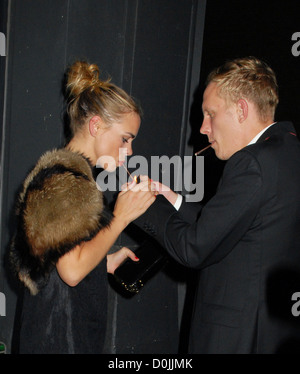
(81, 76)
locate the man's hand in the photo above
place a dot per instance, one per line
(162, 189)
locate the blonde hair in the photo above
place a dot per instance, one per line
(248, 78)
(88, 96)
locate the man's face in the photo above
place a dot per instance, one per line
(221, 124)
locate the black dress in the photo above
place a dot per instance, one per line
(61, 319)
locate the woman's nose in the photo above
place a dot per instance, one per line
(129, 149)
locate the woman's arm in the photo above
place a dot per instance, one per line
(80, 261)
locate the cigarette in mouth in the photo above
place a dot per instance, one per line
(202, 150)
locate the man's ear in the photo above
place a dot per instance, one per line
(94, 125)
(242, 110)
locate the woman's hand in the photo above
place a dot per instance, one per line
(134, 200)
(114, 260)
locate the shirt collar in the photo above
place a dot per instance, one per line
(254, 140)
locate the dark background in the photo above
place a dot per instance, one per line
(160, 51)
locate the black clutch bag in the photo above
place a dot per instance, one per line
(132, 275)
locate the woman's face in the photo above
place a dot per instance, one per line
(114, 144)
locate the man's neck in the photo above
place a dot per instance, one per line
(259, 133)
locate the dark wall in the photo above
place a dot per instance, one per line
(3, 25)
(235, 28)
(150, 48)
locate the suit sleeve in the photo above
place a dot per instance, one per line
(223, 220)
(190, 211)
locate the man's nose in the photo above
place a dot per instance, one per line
(205, 127)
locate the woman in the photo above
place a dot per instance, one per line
(64, 230)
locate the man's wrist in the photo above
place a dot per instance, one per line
(178, 202)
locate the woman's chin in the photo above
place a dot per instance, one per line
(111, 168)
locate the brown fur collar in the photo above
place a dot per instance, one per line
(59, 207)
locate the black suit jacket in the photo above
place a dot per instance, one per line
(246, 241)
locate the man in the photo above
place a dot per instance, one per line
(246, 239)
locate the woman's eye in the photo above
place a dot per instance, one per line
(125, 140)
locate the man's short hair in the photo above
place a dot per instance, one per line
(248, 78)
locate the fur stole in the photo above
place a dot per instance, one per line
(58, 208)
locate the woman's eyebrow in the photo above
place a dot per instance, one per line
(130, 134)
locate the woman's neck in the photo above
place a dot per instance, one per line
(81, 146)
